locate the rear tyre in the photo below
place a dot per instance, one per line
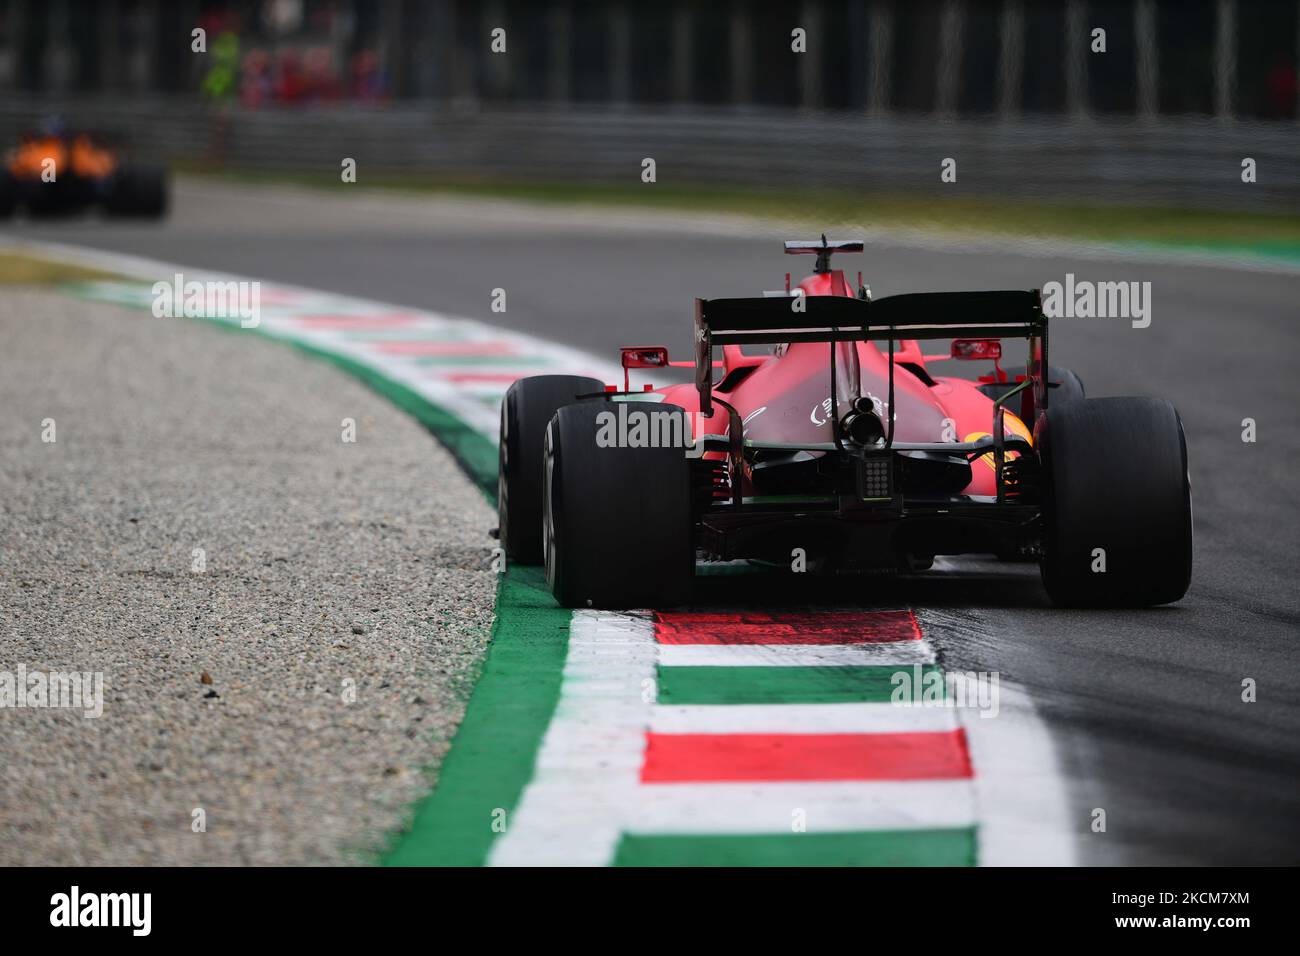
(618, 521)
(138, 190)
(1115, 480)
(1063, 385)
(52, 200)
(528, 408)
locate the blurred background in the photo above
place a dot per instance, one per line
(1019, 92)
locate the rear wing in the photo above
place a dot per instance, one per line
(826, 318)
(918, 315)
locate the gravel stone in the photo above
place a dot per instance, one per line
(300, 689)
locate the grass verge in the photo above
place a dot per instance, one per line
(19, 268)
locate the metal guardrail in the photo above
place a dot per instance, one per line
(1191, 162)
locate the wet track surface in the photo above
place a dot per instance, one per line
(1145, 707)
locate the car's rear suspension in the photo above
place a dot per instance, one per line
(710, 483)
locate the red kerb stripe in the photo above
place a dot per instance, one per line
(703, 758)
(805, 627)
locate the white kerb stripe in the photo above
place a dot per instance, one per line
(588, 769)
(744, 808)
(904, 653)
(1020, 794)
(801, 719)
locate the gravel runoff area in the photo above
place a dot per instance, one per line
(332, 570)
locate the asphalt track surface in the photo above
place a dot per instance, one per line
(1146, 707)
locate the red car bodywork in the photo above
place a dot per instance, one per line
(784, 397)
(841, 452)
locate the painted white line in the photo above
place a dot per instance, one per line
(801, 719)
(768, 808)
(1020, 794)
(574, 809)
(902, 653)
(1022, 802)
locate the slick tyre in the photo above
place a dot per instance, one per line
(8, 194)
(618, 522)
(528, 408)
(138, 190)
(1118, 507)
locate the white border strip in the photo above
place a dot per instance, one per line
(719, 809)
(1023, 800)
(894, 653)
(588, 772)
(801, 719)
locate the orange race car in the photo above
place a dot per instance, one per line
(53, 173)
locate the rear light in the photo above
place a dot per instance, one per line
(876, 476)
(972, 349)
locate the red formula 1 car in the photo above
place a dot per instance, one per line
(842, 450)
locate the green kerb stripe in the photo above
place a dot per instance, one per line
(779, 685)
(493, 753)
(954, 847)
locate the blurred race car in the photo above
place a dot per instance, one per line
(54, 173)
(842, 451)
